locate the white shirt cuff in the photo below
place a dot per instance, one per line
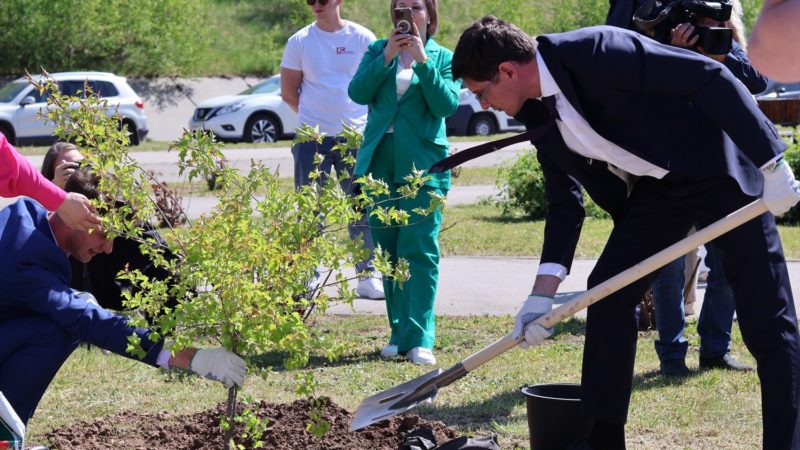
(554, 269)
(771, 162)
(163, 358)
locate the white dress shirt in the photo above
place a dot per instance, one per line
(582, 139)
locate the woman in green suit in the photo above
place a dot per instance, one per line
(407, 82)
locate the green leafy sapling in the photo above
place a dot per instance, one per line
(242, 272)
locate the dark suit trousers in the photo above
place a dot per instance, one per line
(658, 214)
(33, 349)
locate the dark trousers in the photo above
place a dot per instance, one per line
(32, 350)
(658, 214)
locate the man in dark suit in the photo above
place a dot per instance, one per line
(661, 138)
(42, 320)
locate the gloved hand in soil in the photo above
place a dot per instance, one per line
(220, 365)
(535, 306)
(781, 190)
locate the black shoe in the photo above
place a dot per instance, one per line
(726, 361)
(674, 368)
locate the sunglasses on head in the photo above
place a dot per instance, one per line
(321, 2)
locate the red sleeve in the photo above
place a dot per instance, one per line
(18, 177)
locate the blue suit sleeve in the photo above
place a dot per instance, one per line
(41, 287)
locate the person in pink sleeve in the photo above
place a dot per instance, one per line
(18, 177)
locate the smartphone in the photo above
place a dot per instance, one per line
(403, 18)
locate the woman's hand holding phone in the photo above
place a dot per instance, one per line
(409, 42)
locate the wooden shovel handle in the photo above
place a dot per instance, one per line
(619, 281)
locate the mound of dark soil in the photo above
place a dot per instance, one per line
(285, 430)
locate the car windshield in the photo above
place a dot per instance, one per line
(11, 90)
(268, 86)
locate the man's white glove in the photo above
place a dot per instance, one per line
(781, 190)
(220, 365)
(535, 306)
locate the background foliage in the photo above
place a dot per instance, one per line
(143, 37)
(228, 37)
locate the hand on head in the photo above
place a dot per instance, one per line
(77, 212)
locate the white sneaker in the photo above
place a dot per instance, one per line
(422, 356)
(370, 288)
(390, 351)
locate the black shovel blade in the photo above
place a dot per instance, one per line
(393, 401)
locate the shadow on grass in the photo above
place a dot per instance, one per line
(653, 379)
(496, 409)
(275, 360)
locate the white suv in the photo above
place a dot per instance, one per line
(470, 119)
(21, 104)
(258, 114)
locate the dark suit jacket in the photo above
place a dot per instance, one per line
(678, 110)
(35, 277)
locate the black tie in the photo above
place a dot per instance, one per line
(550, 106)
(488, 147)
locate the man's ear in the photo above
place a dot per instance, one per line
(507, 69)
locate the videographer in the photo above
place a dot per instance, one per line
(736, 60)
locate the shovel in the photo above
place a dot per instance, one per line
(410, 394)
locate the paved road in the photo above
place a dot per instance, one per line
(497, 286)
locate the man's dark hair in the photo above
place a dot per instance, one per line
(84, 181)
(487, 43)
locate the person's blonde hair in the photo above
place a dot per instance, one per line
(433, 15)
(736, 24)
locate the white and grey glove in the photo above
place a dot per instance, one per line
(781, 190)
(534, 307)
(220, 365)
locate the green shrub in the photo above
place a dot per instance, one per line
(792, 156)
(521, 187)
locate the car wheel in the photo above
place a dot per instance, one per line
(262, 128)
(134, 133)
(481, 125)
(8, 132)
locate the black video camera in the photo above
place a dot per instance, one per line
(656, 18)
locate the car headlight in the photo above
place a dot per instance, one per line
(230, 108)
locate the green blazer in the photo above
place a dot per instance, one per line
(418, 116)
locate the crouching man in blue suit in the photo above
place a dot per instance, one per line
(661, 138)
(42, 320)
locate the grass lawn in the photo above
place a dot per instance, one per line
(481, 230)
(709, 410)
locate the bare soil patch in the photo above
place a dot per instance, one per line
(285, 430)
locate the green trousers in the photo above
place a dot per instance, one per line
(410, 307)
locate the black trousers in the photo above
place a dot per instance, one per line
(658, 214)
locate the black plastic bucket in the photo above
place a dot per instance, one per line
(554, 416)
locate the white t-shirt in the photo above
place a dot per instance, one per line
(328, 62)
